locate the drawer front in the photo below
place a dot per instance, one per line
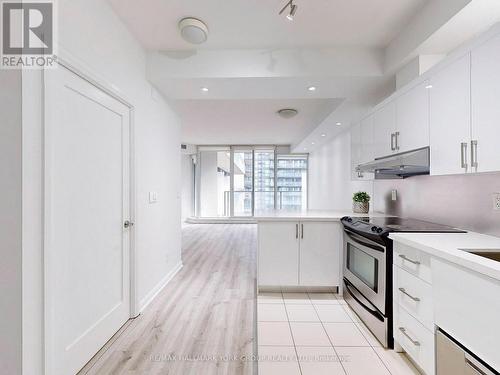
(413, 261)
(415, 296)
(416, 340)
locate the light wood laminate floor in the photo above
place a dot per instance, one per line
(203, 321)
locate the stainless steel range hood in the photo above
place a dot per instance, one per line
(405, 164)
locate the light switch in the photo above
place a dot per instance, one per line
(394, 195)
(153, 197)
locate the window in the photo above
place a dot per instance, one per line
(244, 181)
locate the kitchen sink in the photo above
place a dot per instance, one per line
(493, 254)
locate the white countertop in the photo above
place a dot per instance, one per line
(447, 246)
(309, 215)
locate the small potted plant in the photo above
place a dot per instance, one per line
(361, 202)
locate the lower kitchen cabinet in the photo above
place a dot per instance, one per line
(299, 253)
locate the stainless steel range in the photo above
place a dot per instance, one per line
(368, 268)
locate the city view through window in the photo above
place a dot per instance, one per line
(262, 180)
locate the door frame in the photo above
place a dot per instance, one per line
(108, 88)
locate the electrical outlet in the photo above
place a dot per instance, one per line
(496, 201)
(153, 197)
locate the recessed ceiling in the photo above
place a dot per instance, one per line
(242, 24)
(249, 121)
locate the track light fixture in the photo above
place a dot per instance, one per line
(291, 13)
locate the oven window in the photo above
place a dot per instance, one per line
(364, 266)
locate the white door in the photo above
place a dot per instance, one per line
(384, 125)
(87, 200)
(412, 119)
(278, 263)
(320, 244)
(450, 118)
(485, 78)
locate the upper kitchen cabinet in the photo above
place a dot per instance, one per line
(366, 129)
(384, 131)
(360, 154)
(485, 76)
(412, 119)
(450, 118)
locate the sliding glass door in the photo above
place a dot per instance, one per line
(264, 181)
(242, 186)
(292, 182)
(245, 181)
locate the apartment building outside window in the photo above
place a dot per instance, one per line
(245, 181)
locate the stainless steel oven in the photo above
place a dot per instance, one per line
(365, 284)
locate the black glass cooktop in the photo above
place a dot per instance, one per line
(398, 224)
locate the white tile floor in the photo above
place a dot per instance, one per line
(316, 334)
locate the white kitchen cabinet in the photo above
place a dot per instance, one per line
(299, 253)
(450, 118)
(278, 258)
(357, 152)
(485, 77)
(319, 260)
(384, 128)
(367, 154)
(412, 119)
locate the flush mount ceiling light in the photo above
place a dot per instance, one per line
(193, 30)
(291, 13)
(204, 89)
(311, 88)
(323, 135)
(287, 113)
(339, 123)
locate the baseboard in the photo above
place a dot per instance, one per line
(159, 287)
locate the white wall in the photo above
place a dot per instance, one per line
(187, 194)
(330, 185)
(10, 222)
(93, 38)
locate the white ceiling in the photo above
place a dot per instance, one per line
(256, 61)
(250, 121)
(241, 24)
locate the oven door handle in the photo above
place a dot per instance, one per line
(367, 305)
(363, 241)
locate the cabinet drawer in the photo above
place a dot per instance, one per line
(415, 296)
(413, 261)
(416, 340)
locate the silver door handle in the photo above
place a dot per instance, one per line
(403, 290)
(296, 231)
(128, 224)
(404, 257)
(463, 155)
(473, 154)
(302, 232)
(414, 342)
(397, 140)
(393, 136)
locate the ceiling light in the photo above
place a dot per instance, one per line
(287, 113)
(291, 13)
(305, 148)
(313, 143)
(428, 87)
(312, 88)
(204, 89)
(323, 135)
(193, 30)
(338, 123)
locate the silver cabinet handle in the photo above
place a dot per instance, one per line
(463, 155)
(302, 232)
(403, 290)
(397, 141)
(404, 257)
(473, 154)
(414, 342)
(296, 231)
(393, 136)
